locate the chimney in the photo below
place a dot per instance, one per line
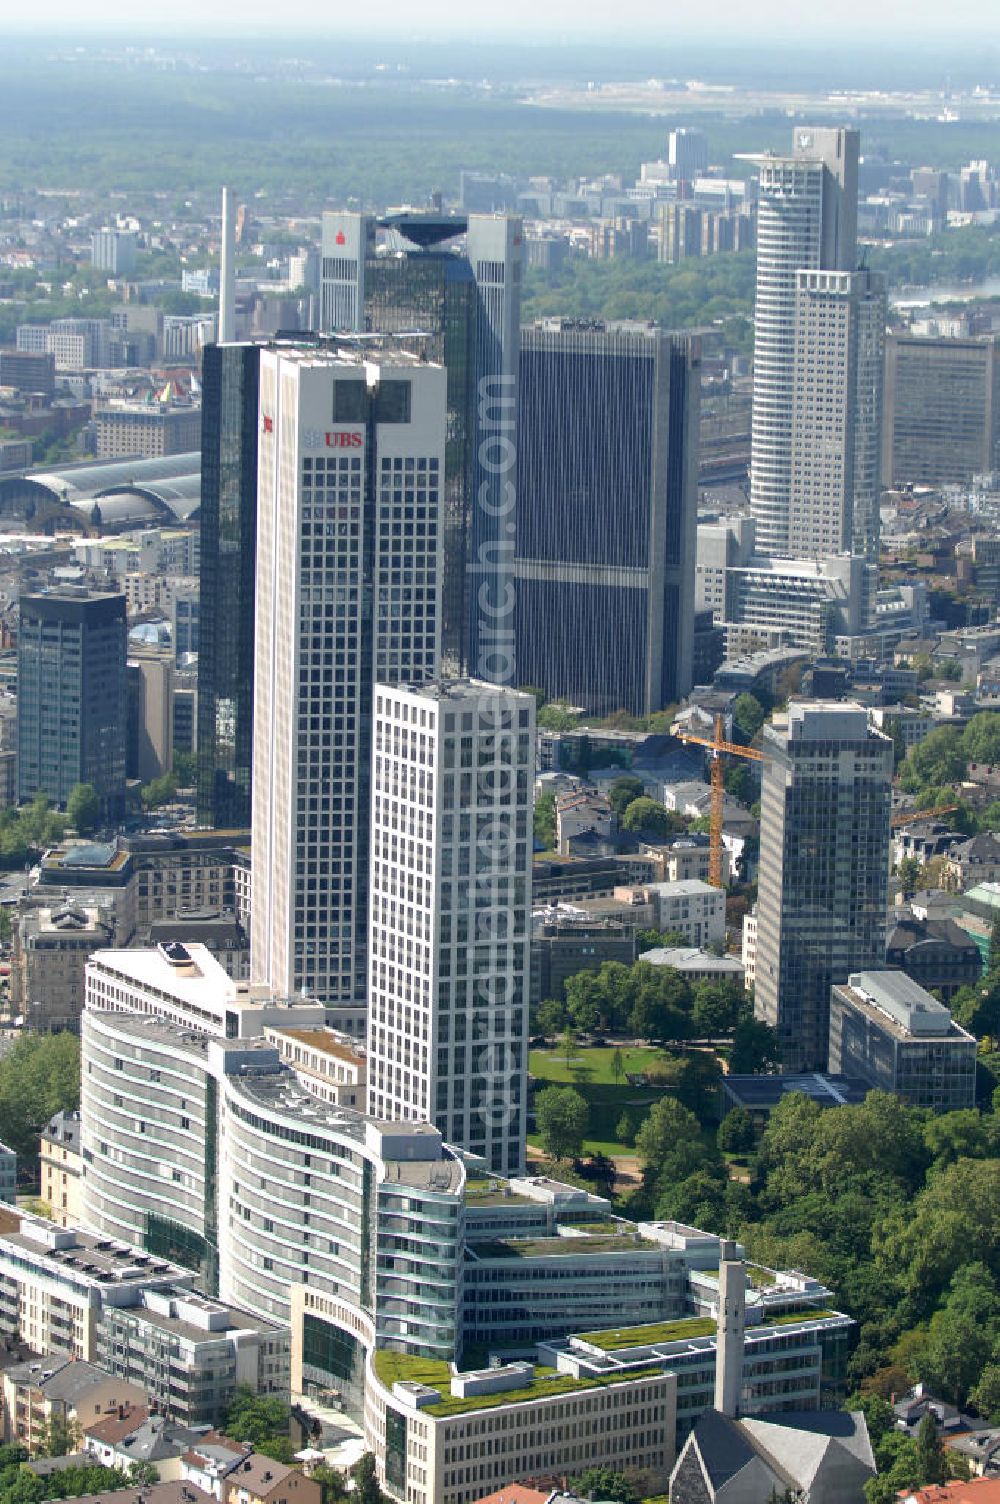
(729, 1330)
(227, 272)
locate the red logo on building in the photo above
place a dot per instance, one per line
(341, 238)
(342, 440)
(268, 424)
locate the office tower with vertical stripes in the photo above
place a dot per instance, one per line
(452, 780)
(606, 514)
(351, 470)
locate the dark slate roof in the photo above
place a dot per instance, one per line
(723, 1448)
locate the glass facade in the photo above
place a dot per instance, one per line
(605, 516)
(71, 696)
(228, 561)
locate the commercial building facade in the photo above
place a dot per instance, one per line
(348, 593)
(606, 514)
(824, 865)
(71, 691)
(942, 410)
(885, 1029)
(452, 775)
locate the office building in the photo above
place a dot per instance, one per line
(71, 696)
(75, 344)
(942, 410)
(824, 869)
(806, 222)
(8, 1175)
(230, 379)
(452, 777)
(687, 153)
(348, 594)
(55, 1282)
(606, 514)
(135, 428)
(51, 944)
(886, 1030)
(836, 439)
(149, 751)
(28, 372)
(373, 1241)
(187, 1352)
(113, 251)
(403, 275)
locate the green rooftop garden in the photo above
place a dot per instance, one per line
(533, 1248)
(393, 1368)
(787, 1317)
(761, 1276)
(655, 1331)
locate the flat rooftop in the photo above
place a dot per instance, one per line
(323, 1039)
(899, 1006)
(88, 1258)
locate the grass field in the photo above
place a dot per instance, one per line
(591, 1071)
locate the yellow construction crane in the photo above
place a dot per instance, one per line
(908, 816)
(719, 748)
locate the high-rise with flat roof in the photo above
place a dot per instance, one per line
(71, 696)
(452, 779)
(230, 425)
(824, 869)
(348, 593)
(886, 1030)
(942, 410)
(606, 514)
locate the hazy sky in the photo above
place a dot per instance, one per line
(624, 20)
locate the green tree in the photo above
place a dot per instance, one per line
(545, 822)
(185, 768)
(159, 791)
(938, 759)
(557, 717)
(59, 1436)
(624, 791)
(625, 1128)
(736, 1132)
(756, 1048)
(984, 1396)
(669, 1129)
(604, 1483)
(83, 807)
(332, 1483)
(717, 1008)
(930, 1452)
(366, 1486)
(748, 716)
(256, 1418)
(981, 737)
(964, 1335)
(39, 1076)
(551, 1016)
(648, 818)
(909, 871)
(618, 1065)
(562, 1115)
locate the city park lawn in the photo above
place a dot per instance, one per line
(591, 1070)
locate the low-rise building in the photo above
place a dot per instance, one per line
(61, 1165)
(694, 964)
(261, 1480)
(55, 1282)
(329, 1064)
(58, 1390)
(885, 1029)
(974, 861)
(188, 1352)
(132, 1435)
(937, 953)
(584, 823)
(50, 950)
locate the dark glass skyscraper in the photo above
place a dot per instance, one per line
(606, 514)
(462, 310)
(71, 696)
(228, 562)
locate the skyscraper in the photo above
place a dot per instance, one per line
(942, 410)
(835, 476)
(452, 778)
(71, 696)
(824, 869)
(348, 592)
(606, 514)
(806, 221)
(462, 310)
(230, 378)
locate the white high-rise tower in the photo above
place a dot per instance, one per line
(806, 222)
(348, 591)
(452, 780)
